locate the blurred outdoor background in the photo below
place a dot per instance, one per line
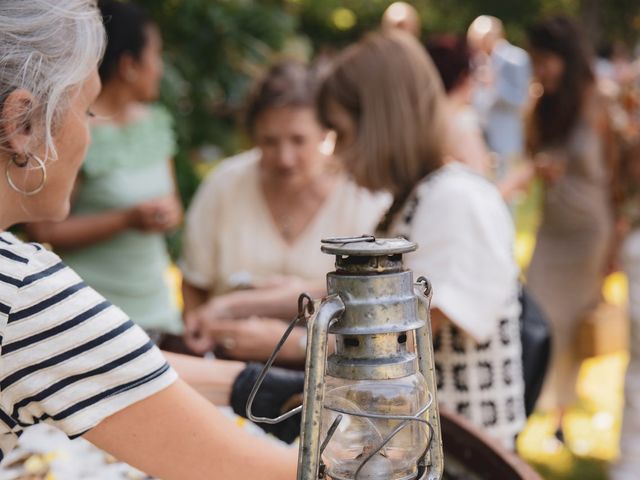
(215, 49)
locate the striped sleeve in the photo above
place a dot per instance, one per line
(68, 357)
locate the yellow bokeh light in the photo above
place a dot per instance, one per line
(343, 18)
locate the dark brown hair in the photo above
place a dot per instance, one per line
(126, 25)
(452, 58)
(555, 113)
(286, 84)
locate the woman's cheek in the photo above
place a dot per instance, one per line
(83, 147)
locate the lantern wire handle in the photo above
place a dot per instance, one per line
(426, 285)
(305, 307)
(358, 412)
(434, 457)
(330, 432)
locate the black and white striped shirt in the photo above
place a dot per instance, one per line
(68, 357)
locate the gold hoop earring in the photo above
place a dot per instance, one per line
(41, 166)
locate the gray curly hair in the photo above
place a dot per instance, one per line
(47, 47)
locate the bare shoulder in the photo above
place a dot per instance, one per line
(230, 176)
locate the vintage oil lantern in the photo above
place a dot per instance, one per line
(370, 410)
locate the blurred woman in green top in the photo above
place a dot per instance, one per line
(125, 198)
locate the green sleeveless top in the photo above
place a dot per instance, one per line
(127, 165)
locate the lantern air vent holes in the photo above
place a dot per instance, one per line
(351, 342)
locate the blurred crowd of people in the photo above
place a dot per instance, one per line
(429, 138)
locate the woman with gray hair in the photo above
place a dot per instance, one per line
(69, 358)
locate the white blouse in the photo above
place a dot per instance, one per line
(231, 239)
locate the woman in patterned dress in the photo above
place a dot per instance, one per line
(384, 100)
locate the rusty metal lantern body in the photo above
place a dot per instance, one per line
(370, 410)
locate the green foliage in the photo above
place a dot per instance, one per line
(621, 19)
(213, 49)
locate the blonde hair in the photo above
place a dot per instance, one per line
(391, 89)
(47, 47)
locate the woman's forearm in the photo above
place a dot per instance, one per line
(176, 434)
(275, 302)
(254, 339)
(213, 379)
(517, 181)
(81, 230)
(192, 296)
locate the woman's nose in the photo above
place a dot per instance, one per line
(287, 156)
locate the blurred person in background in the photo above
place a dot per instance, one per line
(125, 198)
(253, 231)
(628, 464)
(570, 140)
(604, 67)
(503, 73)
(628, 229)
(402, 16)
(396, 142)
(614, 62)
(465, 143)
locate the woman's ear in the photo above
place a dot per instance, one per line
(328, 144)
(16, 120)
(128, 68)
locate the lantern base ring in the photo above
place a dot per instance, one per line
(420, 476)
(405, 421)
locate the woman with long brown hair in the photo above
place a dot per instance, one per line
(384, 99)
(568, 140)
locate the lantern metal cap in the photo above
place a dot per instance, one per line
(367, 246)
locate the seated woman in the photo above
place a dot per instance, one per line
(395, 142)
(253, 231)
(125, 198)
